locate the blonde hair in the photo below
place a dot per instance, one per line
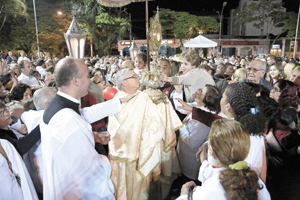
(288, 68)
(191, 56)
(240, 74)
(296, 69)
(231, 143)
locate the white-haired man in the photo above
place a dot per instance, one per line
(256, 72)
(142, 139)
(70, 166)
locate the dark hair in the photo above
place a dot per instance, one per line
(40, 62)
(18, 92)
(5, 78)
(98, 70)
(242, 98)
(2, 104)
(142, 56)
(65, 70)
(50, 69)
(22, 64)
(212, 98)
(288, 96)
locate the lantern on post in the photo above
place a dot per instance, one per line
(75, 39)
(133, 50)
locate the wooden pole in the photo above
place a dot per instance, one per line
(147, 34)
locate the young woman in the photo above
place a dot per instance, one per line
(98, 78)
(275, 73)
(193, 78)
(232, 179)
(21, 92)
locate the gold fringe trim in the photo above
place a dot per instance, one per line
(170, 146)
(104, 3)
(121, 159)
(179, 127)
(145, 177)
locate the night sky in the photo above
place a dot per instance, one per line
(197, 7)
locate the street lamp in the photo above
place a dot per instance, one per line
(59, 13)
(75, 39)
(133, 50)
(220, 17)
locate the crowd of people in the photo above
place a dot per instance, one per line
(229, 128)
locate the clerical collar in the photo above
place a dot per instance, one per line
(68, 97)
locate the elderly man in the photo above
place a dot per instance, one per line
(10, 57)
(256, 72)
(26, 71)
(142, 139)
(70, 166)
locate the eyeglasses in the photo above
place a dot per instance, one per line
(253, 69)
(275, 89)
(134, 76)
(2, 112)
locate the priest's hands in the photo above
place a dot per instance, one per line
(128, 97)
(184, 106)
(103, 136)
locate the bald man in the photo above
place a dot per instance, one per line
(127, 64)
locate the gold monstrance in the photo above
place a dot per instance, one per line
(151, 79)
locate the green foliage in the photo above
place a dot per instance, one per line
(104, 26)
(11, 8)
(184, 25)
(290, 24)
(20, 32)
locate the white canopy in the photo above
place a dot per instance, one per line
(200, 42)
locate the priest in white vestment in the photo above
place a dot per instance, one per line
(142, 139)
(69, 164)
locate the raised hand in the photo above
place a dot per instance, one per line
(4, 67)
(184, 106)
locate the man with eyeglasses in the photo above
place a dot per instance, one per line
(256, 72)
(142, 137)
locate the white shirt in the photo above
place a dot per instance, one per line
(29, 80)
(70, 166)
(22, 58)
(41, 70)
(212, 189)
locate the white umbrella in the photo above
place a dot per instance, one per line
(200, 42)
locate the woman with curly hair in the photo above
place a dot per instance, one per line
(21, 92)
(232, 179)
(238, 102)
